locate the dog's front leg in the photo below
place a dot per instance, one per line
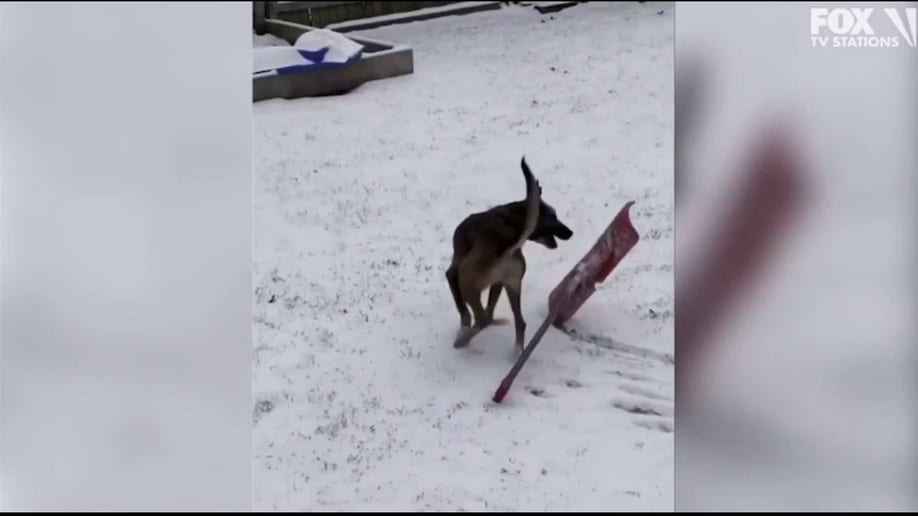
(493, 296)
(513, 294)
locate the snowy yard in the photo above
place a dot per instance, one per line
(361, 402)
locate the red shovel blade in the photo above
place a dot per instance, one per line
(579, 284)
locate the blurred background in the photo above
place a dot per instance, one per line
(795, 292)
(125, 286)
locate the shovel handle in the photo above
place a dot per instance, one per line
(508, 380)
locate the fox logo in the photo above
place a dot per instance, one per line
(852, 27)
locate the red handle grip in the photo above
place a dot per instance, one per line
(502, 390)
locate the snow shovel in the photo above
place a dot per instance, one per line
(579, 284)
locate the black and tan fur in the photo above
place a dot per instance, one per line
(487, 254)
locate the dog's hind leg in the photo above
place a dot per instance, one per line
(481, 322)
(452, 276)
(471, 295)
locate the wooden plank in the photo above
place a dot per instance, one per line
(552, 7)
(259, 15)
(284, 7)
(457, 8)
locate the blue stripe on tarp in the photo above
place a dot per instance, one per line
(314, 66)
(316, 56)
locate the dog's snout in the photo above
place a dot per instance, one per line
(563, 232)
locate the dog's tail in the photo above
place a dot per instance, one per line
(533, 199)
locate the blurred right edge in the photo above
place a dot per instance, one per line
(795, 292)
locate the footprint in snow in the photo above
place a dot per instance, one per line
(629, 376)
(643, 408)
(645, 393)
(660, 426)
(537, 392)
(573, 384)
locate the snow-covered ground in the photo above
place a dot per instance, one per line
(361, 402)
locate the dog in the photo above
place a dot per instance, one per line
(487, 254)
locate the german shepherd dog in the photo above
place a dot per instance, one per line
(487, 253)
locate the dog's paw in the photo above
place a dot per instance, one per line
(500, 321)
(463, 337)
